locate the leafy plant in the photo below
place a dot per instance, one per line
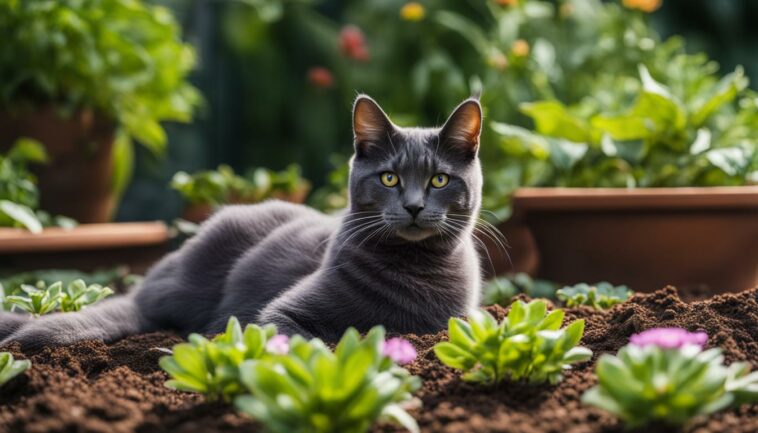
(113, 277)
(501, 290)
(602, 295)
(10, 368)
(223, 185)
(19, 197)
(314, 390)
(698, 132)
(44, 299)
(209, 187)
(211, 367)
(79, 295)
(528, 345)
(37, 300)
(121, 58)
(650, 383)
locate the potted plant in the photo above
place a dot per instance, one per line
(648, 192)
(84, 79)
(207, 190)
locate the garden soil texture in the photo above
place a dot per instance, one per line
(118, 388)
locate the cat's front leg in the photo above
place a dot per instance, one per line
(284, 324)
(43, 331)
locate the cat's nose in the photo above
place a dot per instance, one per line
(413, 209)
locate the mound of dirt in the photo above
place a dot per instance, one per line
(118, 388)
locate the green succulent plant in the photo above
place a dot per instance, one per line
(44, 299)
(211, 367)
(601, 296)
(79, 295)
(37, 300)
(10, 368)
(314, 390)
(527, 345)
(501, 289)
(649, 384)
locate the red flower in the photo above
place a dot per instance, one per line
(353, 43)
(320, 77)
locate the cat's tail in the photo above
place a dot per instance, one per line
(109, 320)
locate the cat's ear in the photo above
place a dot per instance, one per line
(463, 128)
(371, 127)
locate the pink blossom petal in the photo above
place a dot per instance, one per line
(399, 350)
(669, 338)
(278, 344)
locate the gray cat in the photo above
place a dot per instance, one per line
(402, 254)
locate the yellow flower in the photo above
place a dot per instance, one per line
(507, 2)
(566, 10)
(643, 5)
(412, 11)
(520, 48)
(497, 60)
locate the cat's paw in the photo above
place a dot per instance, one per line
(42, 332)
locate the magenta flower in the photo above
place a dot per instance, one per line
(669, 338)
(399, 350)
(278, 344)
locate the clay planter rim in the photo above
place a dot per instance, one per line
(583, 199)
(84, 237)
(645, 238)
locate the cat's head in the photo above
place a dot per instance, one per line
(422, 182)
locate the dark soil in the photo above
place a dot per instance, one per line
(94, 387)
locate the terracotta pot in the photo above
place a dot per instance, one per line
(197, 212)
(86, 247)
(77, 182)
(298, 196)
(515, 252)
(645, 238)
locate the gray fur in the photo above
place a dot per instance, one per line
(316, 274)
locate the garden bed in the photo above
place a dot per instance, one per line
(94, 387)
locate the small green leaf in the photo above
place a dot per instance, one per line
(23, 215)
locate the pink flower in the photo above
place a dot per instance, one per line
(353, 43)
(320, 77)
(669, 338)
(399, 350)
(278, 344)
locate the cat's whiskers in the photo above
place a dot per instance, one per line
(490, 232)
(346, 222)
(485, 226)
(355, 231)
(459, 225)
(376, 231)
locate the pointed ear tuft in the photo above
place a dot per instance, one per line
(463, 127)
(370, 125)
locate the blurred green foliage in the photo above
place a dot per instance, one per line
(19, 197)
(280, 76)
(601, 296)
(502, 289)
(120, 57)
(118, 278)
(568, 69)
(223, 185)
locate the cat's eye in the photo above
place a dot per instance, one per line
(439, 180)
(389, 179)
